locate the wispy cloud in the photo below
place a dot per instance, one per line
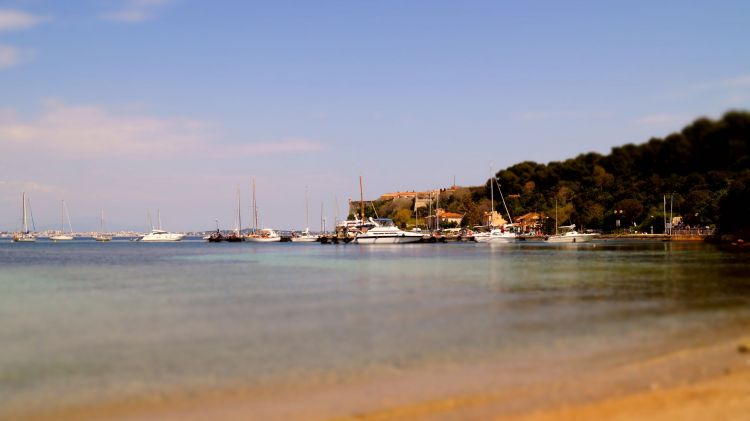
(87, 131)
(12, 56)
(134, 11)
(12, 20)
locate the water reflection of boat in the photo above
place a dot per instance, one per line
(386, 232)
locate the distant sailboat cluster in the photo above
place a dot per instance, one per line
(361, 230)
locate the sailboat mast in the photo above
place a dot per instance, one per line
(307, 210)
(239, 213)
(361, 201)
(62, 216)
(255, 210)
(158, 216)
(23, 209)
(492, 197)
(67, 212)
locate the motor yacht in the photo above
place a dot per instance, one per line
(157, 235)
(386, 232)
(570, 235)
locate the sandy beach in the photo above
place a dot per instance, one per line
(706, 382)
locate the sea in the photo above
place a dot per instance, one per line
(84, 322)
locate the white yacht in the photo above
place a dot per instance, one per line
(506, 234)
(386, 232)
(265, 235)
(570, 235)
(160, 235)
(305, 237)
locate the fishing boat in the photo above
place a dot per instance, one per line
(101, 236)
(160, 235)
(62, 236)
(265, 235)
(386, 232)
(25, 236)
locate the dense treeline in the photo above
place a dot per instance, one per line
(704, 171)
(705, 168)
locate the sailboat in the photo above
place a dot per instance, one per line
(101, 235)
(62, 236)
(25, 236)
(305, 236)
(265, 235)
(508, 233)
(236, 236)
(159, 235)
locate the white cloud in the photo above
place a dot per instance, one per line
(86, 132)
(11, 20)
(134, 11)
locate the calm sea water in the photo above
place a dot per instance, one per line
(83, 321)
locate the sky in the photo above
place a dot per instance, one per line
(137, 106)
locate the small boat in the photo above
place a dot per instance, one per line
(101, 236)
(386, 232)
(265, 235)
(305, 236)
(62, 236)
(570, 235)
(25, 236)
(506, 234)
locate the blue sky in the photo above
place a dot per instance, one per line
(137, 105)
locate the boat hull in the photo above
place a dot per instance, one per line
(263, 239)
(580, 238)
(161, 238)
(61, 238)
(388, 239)
(305, 239)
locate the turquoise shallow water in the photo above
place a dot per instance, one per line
(83, 321)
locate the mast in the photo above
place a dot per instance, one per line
(101, 221)
(23, 210)
(307, 211)
(492, 198)
(437, 211)
(361, 202)
(238, 218)
(62, 217)
(416, 219)
(255, 210)
(67, 212)
(158, 217)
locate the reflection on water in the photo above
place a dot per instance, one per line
(83, 319)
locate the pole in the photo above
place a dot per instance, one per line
(361, 202)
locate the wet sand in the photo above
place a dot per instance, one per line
(703, 382)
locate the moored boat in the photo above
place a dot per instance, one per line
(386, 232)
(24, 236)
